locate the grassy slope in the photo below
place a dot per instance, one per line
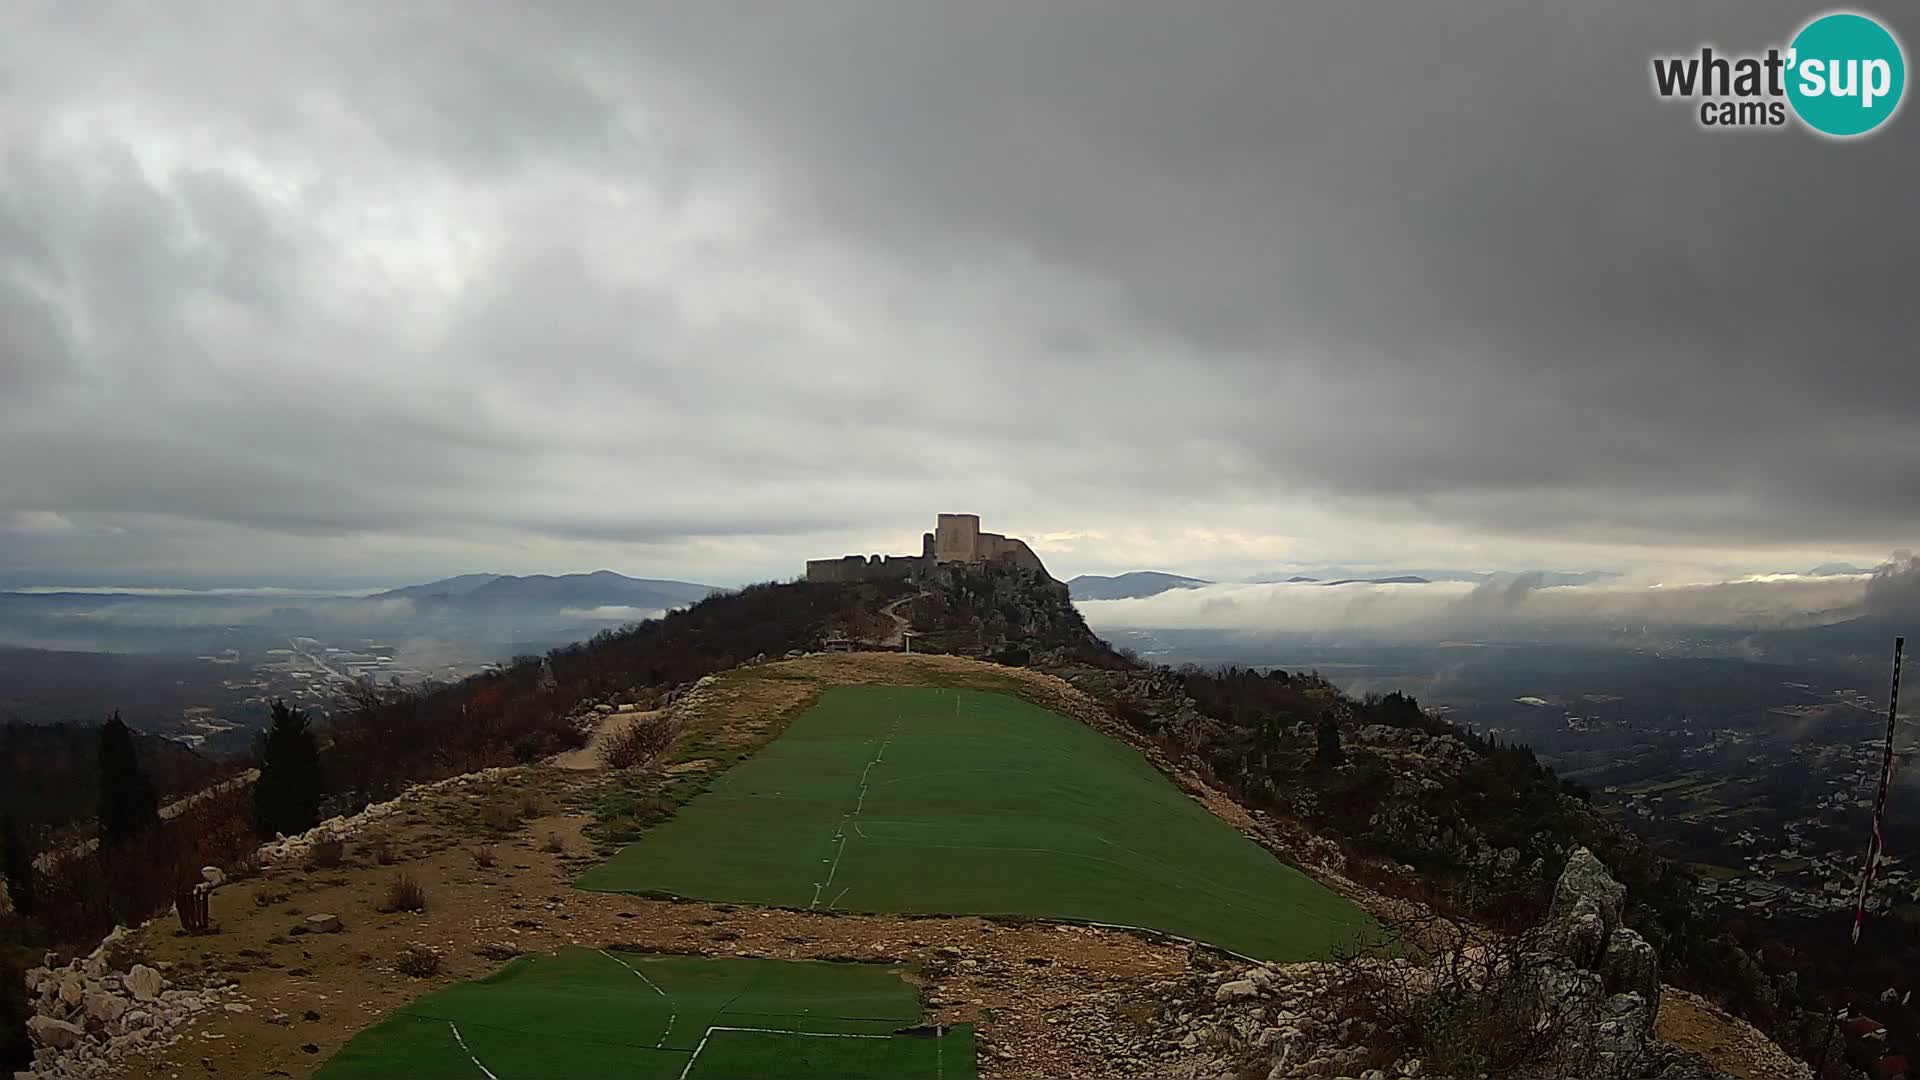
(583, 1014)
(892, 799)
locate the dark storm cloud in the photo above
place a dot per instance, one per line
(699, 274)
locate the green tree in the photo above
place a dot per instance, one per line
(1328, 753)
(287, 798)
(16, 865)
(128, 803)
(16, 1045)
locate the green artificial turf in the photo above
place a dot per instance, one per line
(901, 799)
(583, 1015)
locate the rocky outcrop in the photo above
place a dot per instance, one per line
(1583, 976)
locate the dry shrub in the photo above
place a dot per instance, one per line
(484, 858)
(418, 961)
(638, 743)
(326, 853)
(556, 843)
(404, 894)
(382, 852)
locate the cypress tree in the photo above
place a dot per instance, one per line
(1328, 753)
(286, 800)
(128, 803)
(16, 1043)
(16, 864)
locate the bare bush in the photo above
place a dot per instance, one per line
(484, 858)
(556, 843)
(382, 852)
(418, 961)
(326, 853)
(404, 894)
(638, 743)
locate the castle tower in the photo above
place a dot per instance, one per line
(956, 538)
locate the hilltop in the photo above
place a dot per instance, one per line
(1373, 799)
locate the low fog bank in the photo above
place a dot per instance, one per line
(1520, 606)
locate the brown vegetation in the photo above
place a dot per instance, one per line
(638, 742)
(404, 893)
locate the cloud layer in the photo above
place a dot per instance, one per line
(1439, 609)
(698, 292)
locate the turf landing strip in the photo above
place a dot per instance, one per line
(961, 802)
(585, 1015)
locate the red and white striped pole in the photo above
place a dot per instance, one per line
(1876, 848)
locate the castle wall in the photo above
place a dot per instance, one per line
(864, 568)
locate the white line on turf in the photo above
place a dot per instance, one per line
(768, 1031)
(840, 831)
(484, 1071)
(673, 1014)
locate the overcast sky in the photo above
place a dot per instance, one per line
(379, 292)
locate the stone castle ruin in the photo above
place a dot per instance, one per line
(956, 538)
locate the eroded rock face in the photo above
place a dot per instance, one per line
(1585, 927)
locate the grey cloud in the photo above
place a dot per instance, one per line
(687, 277)
(1894, 588)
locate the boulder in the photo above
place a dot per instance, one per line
(1585, 886)
(213, 876)
(105, 1007)
(144, 983)
(73, 990)
(54, 1033)
(1236, 990)
(322, 924)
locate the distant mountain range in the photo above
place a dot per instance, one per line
(545, 592)
(1836, 569)
(1130, 586)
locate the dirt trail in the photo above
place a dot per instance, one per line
(898, 635)
(588, 756)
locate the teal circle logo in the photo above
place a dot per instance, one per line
(1845, 75)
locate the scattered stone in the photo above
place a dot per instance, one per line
(322, 924)
(144, 983)
(1236, 990)
(105, 1007)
